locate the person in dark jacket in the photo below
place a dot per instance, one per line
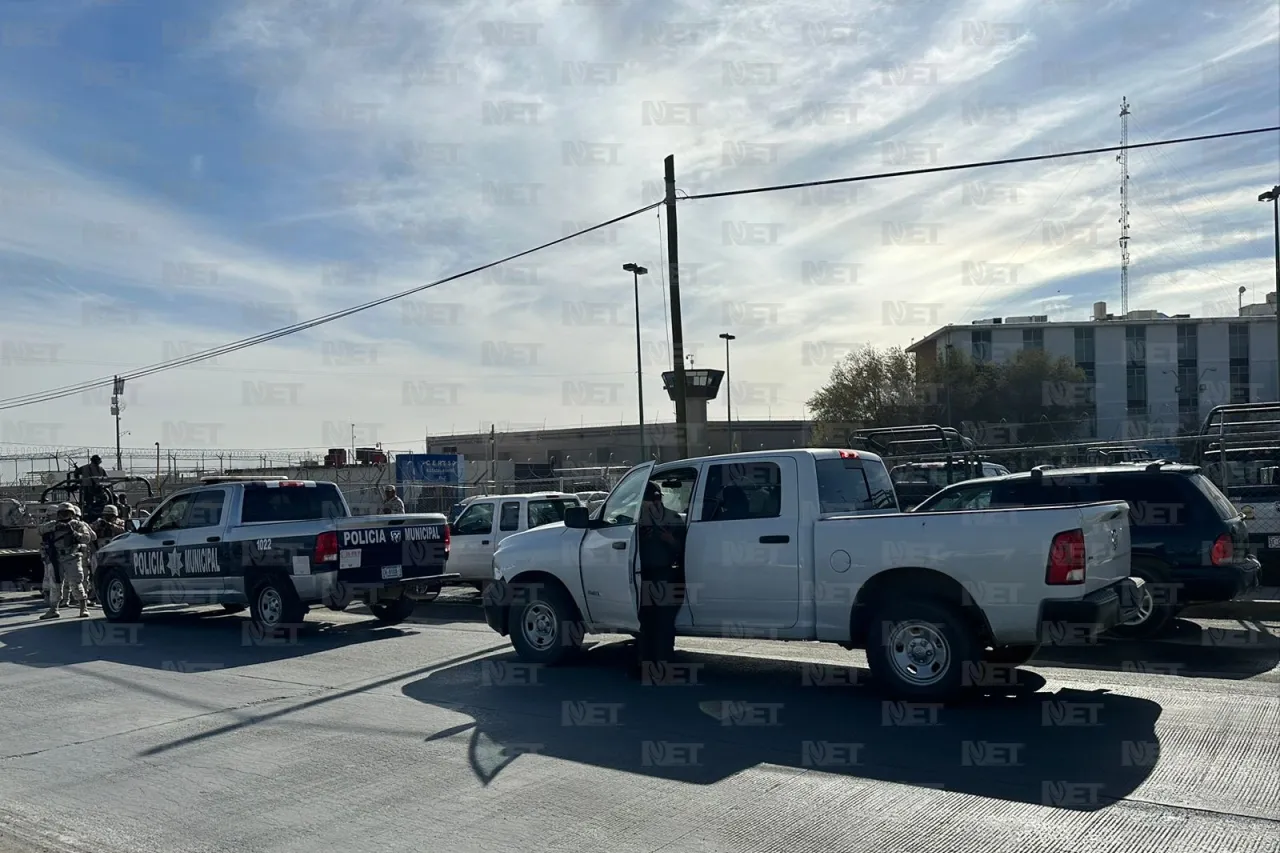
(660, 534)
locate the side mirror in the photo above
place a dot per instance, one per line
(577, 517)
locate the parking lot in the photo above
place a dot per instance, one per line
(190, 732)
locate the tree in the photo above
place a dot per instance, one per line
(868, 387)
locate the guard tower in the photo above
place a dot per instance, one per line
(701, 386)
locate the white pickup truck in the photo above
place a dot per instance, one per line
(810, 545)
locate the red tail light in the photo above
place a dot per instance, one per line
(1223, 550)
(1066, 559)
(446, 539)
(326, 548)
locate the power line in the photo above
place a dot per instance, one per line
(962, 166)
(203, 355)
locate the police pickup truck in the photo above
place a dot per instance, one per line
(276, 546)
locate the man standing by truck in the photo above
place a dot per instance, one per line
(68, 539)
(660, 539)
(105, 529)
(391, 503)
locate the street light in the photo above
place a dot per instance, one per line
(728, 380)
(636, 271)
(1273, 195)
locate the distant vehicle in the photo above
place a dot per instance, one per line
(277, 546)
(1190, 545)
(810, 545)
(489, 519)
(914, 481)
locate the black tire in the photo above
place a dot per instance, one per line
(1155, 600)
(545, 625)
(119, 601)
(235, 608)
(274, 604)
(393, 611)
(1011, 655)
(948, 648)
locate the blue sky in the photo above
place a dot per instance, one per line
(177, 175)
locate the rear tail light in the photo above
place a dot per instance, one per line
(446, 539)
(1224, 550)
(326, 548)
(1066, 559)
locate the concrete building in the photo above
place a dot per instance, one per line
(1147, 374)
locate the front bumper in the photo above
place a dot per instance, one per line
(1085, 618)
(497, 605)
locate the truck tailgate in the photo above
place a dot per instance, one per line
(372, 549)
(1106, 543)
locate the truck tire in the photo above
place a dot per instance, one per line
(1011, 655)
(394, 611)
(119, 602)
(921, 649)
(545, 625)
(1154, 618)
(274, 603)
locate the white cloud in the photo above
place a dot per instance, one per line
(413, 140)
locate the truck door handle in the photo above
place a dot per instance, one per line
(167, 542)
(484, 541)
(619, 546)
(774, 540)
(214, 539)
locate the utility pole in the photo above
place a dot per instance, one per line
(677, 331)
(636, 271)
(1123, 157)
(116, 405)
(1273, 195)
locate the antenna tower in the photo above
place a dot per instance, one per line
(1123, 158)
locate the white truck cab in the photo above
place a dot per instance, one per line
(811, 545)
(489, 519)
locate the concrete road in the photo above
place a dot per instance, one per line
(188, 732)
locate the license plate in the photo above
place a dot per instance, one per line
(1273, 542)
(392, 572)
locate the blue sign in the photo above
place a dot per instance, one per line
(436, 468)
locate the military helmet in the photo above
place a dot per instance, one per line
(110, 511)
(68, 507)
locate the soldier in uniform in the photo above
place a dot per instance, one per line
(391, 503)
(662, 592)
(69, 539)
(104, 530)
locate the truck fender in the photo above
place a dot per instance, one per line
(911, 582)
(536, 576)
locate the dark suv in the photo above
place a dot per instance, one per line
(1189, 543)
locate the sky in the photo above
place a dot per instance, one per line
(178, 175)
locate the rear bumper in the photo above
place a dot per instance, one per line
(1095, 613)
(497, 605)
(1210, 584)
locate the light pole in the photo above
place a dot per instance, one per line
(728, 379)
(636, 271)
(1273, 195)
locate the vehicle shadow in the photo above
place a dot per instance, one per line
(1071, 749)
(455, 604)
(1189, 650)
(175, 640)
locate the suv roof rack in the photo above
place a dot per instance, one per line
(1038, 471)
(1157, 464)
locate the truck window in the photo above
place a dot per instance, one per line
(477, 519)
(171, 515)
(549, 511)
(743, 490)
(847, 485)
(623, 504)
(1226, 511)
(677, 488)
(206, 508)
(510, 517)
(973, 497)
(291, 503)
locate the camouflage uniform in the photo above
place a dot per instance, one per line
(71, 540)
(104, 529)
(391, 503)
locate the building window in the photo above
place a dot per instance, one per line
(1135, 376)
(1033, 339)
(1135, 345)
(1239, 382)
(1084, 346)
(1238, 336)
(1187, 343)
(982, 346)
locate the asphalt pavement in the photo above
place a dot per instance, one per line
(191, 732)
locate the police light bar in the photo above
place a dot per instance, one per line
(286, 483)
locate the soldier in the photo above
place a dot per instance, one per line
(104, 529)
(391, 503)
(122, 504)
(69, 539)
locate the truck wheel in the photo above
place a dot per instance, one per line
(119, 602)
(545, 626)
(395, 611)
(234, 608)
(1011, 655)
(275, 603)
(1153, 618)
(922, 649)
